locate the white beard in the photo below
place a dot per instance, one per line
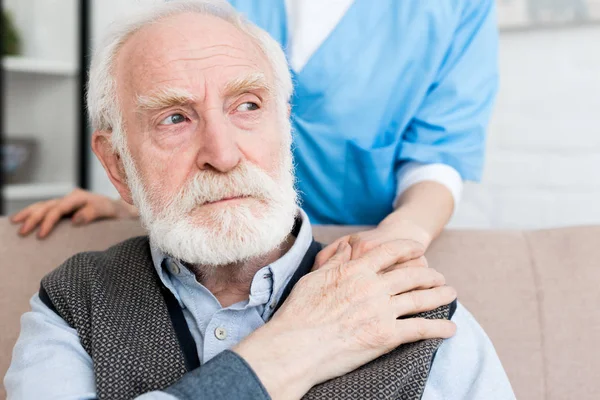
(227, 234)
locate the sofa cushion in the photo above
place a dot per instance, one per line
(534, 293)
(566, 267)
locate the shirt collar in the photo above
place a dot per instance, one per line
(283, 268)
(268, 283)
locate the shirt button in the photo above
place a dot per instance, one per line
(221, 333)
(173, 267)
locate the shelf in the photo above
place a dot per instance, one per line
(34, 191)
(38, 66)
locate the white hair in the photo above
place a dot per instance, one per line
(103, 105)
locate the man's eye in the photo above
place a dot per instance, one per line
(247, 106)
(173, 119)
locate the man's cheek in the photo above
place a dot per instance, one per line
(261, 155)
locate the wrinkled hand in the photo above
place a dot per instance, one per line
(345, 314)
(86, 206)
(365, 241)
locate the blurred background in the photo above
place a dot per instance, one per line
(543, 158)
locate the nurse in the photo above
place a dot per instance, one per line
(391, 103)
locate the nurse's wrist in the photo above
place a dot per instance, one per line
(426, 208)
(401, 227)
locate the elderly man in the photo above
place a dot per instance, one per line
(190, 108)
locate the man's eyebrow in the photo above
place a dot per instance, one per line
(246, 83)
(164, 98)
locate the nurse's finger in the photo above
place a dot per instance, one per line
(24, 213)
(339, 258)
(35, 217)
(328, 252)
(360, 245)
(64, 207)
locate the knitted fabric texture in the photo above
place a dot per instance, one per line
(114, 301)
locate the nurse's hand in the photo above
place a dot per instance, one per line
(85, 207)
(365, 241)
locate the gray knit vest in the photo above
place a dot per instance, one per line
(135, 332)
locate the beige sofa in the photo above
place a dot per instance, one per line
(535, 293)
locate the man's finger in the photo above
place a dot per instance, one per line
(420, 262)
(418, 301)
(415, 329)
(417, 262)
(412, 278)
(390, 253)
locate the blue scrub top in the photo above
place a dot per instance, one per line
(396, 81)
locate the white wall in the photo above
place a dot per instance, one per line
(543, 161)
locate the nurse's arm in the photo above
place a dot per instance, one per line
(447, 129)
(422, 211)
(447, 133)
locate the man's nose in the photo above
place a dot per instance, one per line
(218, 145)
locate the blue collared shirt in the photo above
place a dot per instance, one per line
(49, 361)
(215, 328)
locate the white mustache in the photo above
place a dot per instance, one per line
(246, 180)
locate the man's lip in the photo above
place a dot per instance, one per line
(226, 199)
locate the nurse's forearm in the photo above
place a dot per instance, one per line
(425, 207)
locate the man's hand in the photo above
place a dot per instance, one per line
(86, 206)
(344, 315)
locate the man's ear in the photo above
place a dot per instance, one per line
(112, 163)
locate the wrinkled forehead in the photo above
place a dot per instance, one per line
(191, 51)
